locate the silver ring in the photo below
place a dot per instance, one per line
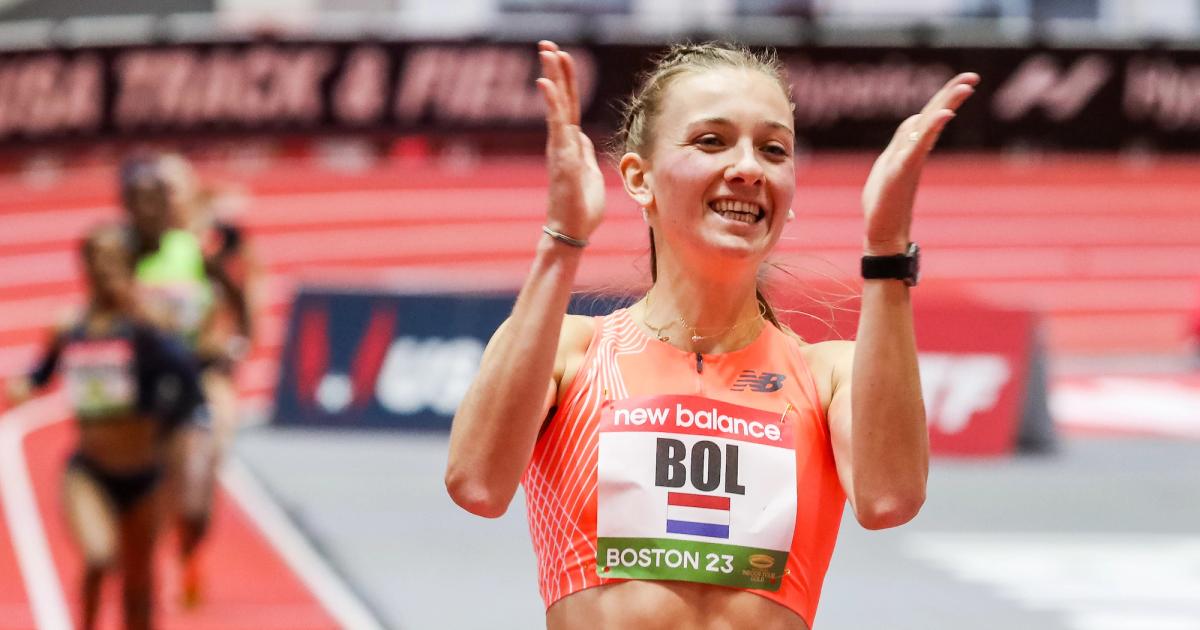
(913, 136)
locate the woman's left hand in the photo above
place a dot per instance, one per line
(891, 187)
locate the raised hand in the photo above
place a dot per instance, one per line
(576, 196)
(891, 187)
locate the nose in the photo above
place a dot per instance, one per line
(746, 169)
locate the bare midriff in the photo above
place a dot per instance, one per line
(128, 444)
(654, 605)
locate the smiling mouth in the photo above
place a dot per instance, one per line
(740, 211)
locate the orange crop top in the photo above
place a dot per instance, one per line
(662, 466)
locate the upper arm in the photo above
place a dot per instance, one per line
(48, 362)
(573, 341)
(833, 364)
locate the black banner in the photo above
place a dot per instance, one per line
(1078, 99)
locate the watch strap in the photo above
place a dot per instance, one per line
(904, 266)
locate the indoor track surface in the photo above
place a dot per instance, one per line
(1100, 536)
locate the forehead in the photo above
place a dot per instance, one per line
(146, 185)
(742, 95)
(174, 172)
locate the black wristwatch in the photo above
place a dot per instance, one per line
(906, 266)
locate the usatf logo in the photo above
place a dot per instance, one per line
(758, 381)
(333, 391)
(401, 374)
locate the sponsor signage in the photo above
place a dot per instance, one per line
(975, 362)
(380, 359)
(405, 361)
(845, 97)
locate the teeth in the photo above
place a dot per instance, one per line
(743, 211)
(744, 217)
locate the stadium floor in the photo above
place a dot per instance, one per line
(1102, 535)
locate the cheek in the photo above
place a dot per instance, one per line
(684, 176)
(783, 187)
(784, 194)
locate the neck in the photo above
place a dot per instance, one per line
(109, 305)
(100, 319)
(705, 314)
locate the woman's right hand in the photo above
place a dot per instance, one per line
(576, 196)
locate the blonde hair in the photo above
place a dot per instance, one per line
(639, 113)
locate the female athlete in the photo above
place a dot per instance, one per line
(130, 387)
(686, 460)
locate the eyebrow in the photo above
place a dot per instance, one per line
(719, 120)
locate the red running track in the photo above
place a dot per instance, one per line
(250, 584)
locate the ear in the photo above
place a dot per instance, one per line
(635, 175)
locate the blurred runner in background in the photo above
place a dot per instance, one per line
(130, 387)
(225, 337)
(202, 299)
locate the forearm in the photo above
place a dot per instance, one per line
(497, 423)
(236, 297)
(890, 442)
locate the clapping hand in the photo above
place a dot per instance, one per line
(891, 187)
(576, 196)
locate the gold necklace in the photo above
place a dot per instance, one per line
(658, 330)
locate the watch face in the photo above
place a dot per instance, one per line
(905, 267)
(914, 265)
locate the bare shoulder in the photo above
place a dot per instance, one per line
(66, 319)
(830, 362)
(826, 354)
(576, 332)
(573, 342)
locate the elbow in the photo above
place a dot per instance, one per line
(889, 511)
(476, 497)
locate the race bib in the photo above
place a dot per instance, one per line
(695, 489)
(99, 377)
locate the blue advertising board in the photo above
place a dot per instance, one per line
(376, 359)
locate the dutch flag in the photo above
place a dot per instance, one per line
(697, 515)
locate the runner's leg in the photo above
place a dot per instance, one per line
(93, 523)
(139, 531)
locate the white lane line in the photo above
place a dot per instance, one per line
(42, 582)
(295, 549)
(1097, 581)
(1147, 404)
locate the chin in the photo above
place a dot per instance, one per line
(731, 247)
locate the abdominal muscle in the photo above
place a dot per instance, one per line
(651, 605)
